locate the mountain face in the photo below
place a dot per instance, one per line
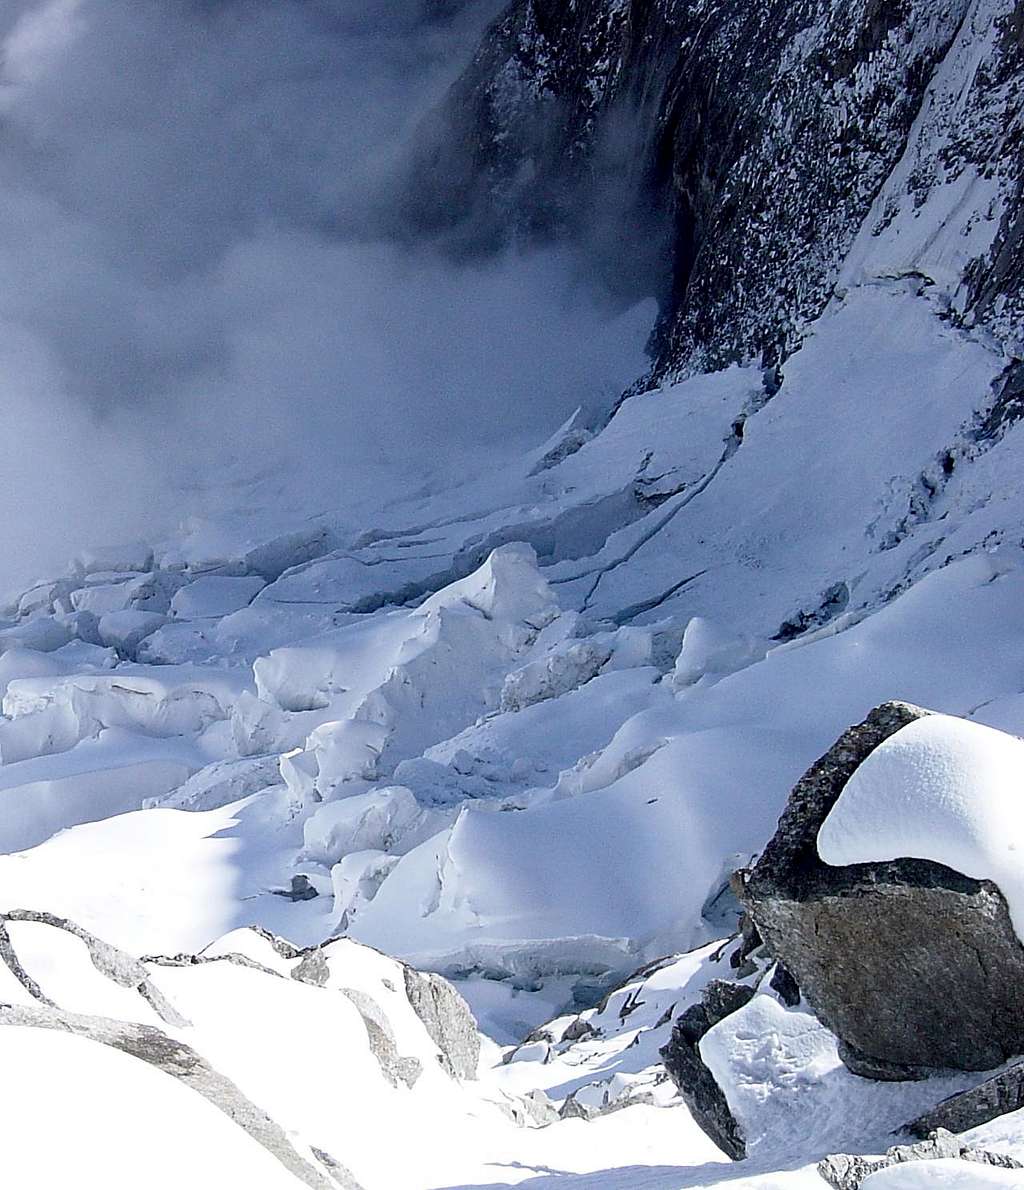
(727, 154)
(526, 729)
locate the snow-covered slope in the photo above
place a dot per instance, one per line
(518, 729)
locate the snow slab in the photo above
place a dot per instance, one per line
(783, 1079)
(943, 1175)
(113, 1112)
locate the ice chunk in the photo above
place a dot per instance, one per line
(177, 643)
(27, 663)
(711, 650)
(46, 597)
(44, 635)
(52, 712)
(563, 669)
(509, 589)
(214, 596)
(126, 630)
(134, 556)
(356, 879)
(376, 821)
(347, 751)
(144, 592)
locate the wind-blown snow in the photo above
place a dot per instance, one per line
(942, 789)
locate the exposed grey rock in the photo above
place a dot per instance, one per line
(301, 890)
(313, 969)
(845, 1172)
(185, 1064)
(198, 960)
(395, 1068)
(785, 986)
(447, 1019)
(10, 958)
(913, 966)
(994, 1097)
(695, 1081)
(578, 1029)
(572, 1109)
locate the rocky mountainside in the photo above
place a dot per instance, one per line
(289, 791)
(729, 154)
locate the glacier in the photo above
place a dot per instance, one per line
(380, 842)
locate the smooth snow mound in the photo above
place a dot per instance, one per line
(947, 1174)
(120, 1123)
(941, 789)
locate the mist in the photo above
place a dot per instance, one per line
(202, 273)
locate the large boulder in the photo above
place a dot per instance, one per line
(915, 967)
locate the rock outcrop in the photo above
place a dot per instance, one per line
(913, 966)
(996, 1096)
(418, 1030)
(696, 1083)
(447, 1020)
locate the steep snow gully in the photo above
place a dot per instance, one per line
(424, 852)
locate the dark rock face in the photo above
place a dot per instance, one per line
(913, 966)
(696, 1084)
(994, 1097)
(844, 1172)
(724, 154)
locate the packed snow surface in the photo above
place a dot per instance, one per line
(516, 728)
(942, 1175)
(942, 789)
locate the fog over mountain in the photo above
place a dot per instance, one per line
(511, 586)
(205, 258)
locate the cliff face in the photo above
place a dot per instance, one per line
(729, 156)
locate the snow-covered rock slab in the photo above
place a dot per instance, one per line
(940, 789)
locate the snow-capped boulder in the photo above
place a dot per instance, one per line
(914, 964)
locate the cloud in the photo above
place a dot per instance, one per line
(195, 245)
